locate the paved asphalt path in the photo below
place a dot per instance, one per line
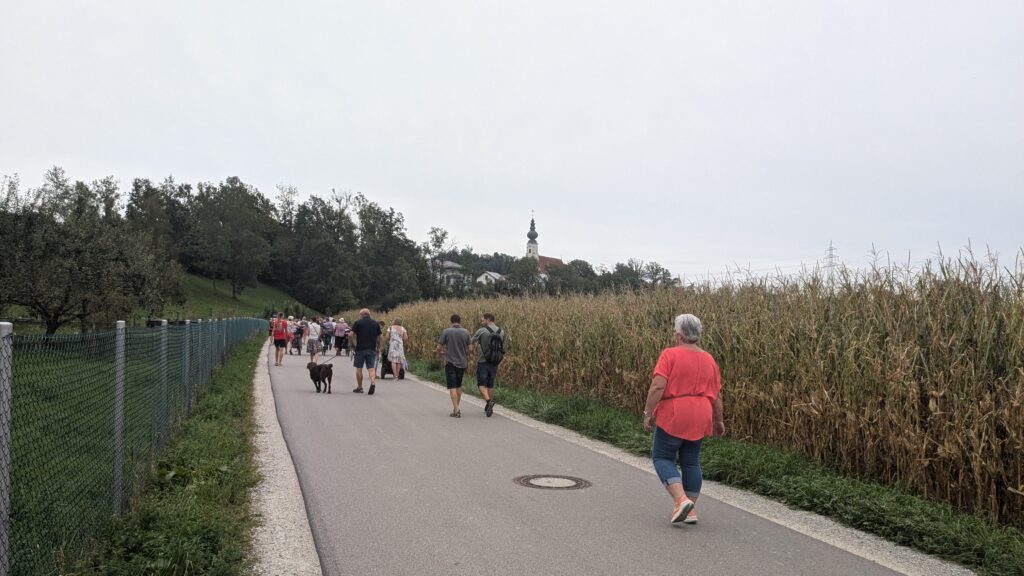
(393, 485)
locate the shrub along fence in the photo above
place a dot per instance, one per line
(82, 419)
(914, 378)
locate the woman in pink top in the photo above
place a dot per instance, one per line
(683, 407)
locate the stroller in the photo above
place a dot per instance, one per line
(341, 344)
(385, 366)
(297, 341)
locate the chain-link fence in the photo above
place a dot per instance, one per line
(82, 418)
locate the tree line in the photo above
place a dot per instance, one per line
(86, 252)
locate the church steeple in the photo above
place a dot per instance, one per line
(532, 250)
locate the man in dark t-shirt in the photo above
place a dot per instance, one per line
(367, 333)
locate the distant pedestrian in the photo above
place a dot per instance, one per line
(297, 331)
(279, 330)
(367, 333)
(385, 365)
(396, 346)
(341, 337)
(491, 341)
(454, 345)
(328, 334)
(683, 406)
(313, 332)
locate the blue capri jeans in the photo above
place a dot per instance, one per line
(664, 451)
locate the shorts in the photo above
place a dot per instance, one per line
(279, 343)
(365, 358)
(453, 375)
(313, 346)
(486, 374)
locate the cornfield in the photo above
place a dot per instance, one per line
(914, 378)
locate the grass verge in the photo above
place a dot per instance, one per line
(897, 516)
(204, 297)
(193, 515)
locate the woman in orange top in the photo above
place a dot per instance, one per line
(684, 404)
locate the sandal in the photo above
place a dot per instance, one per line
(358, 390)
(456, 414)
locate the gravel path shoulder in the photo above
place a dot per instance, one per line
(282, 541)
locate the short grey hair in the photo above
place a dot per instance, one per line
(689, 327)
(398, 322)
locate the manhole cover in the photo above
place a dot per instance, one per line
(551, 482)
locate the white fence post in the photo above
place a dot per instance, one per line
(6, 398)
(163, 381)
(118, 416)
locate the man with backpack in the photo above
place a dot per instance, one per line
(491, 339)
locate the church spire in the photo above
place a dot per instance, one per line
(532, 250)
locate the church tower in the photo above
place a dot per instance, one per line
(532, 251)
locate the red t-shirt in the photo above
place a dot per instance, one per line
(280, 329)
(693, 384)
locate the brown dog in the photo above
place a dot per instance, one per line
(321, 374)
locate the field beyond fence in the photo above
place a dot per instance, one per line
(914, 378)
(83, 419)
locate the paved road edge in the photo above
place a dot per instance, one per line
(283, 539)
(898, 558)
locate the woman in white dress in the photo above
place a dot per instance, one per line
(396, 346)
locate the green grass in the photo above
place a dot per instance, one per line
(928, 526)
(204, 299)
(193, 516)
(62, 448)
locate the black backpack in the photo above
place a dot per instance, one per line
(496, 350)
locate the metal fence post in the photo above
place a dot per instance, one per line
(6, 377)
(118, 416)
(163, 381)
(211, 352)
(200, 362)
(213, 349)
(186, 373)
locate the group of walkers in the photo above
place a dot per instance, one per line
(369, 335)
(683, 402)
(320, 334)
(316, 335)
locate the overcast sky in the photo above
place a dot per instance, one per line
(696, 134)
